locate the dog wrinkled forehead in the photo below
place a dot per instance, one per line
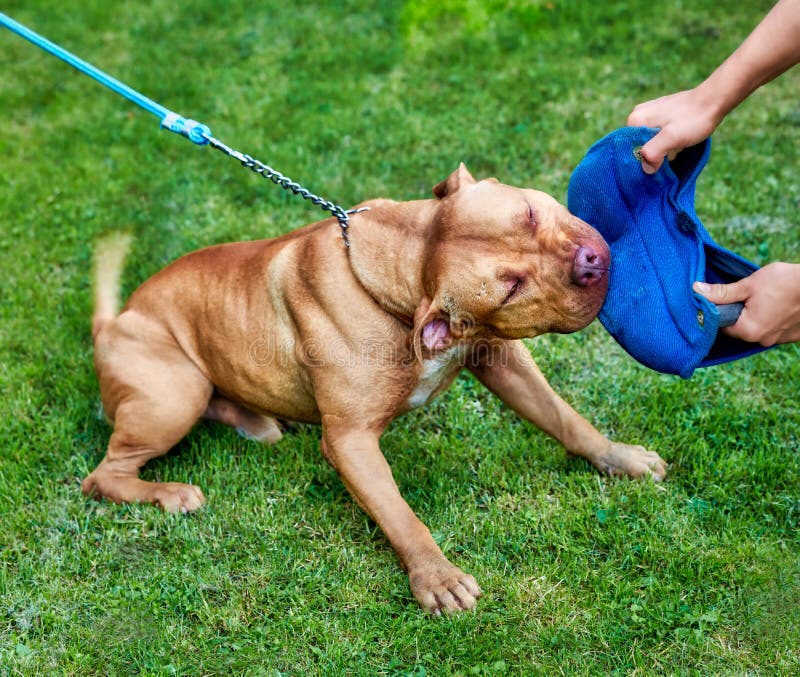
(469, 206)
(487, 231)
(504, 220)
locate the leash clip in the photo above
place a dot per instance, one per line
(195, 131)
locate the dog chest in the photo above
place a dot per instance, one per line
(436, 370)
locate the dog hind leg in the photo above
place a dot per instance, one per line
(153, 395)
(248, 424)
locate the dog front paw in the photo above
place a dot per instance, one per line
(632, 460)
(440, 587)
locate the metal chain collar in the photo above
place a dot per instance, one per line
(342, 215)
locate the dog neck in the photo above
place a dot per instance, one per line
(386, 253)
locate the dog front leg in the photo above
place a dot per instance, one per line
(437, 585)
(508, 370)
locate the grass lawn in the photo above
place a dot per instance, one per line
(281, 573)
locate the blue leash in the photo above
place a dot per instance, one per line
(195, 131)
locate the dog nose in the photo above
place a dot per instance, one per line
(589, 266)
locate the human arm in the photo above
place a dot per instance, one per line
(686, 118)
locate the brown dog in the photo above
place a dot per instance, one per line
(301, 328)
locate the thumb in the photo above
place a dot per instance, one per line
(721, 294)
(653, 152)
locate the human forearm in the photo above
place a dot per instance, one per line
(686, 118)
(772, 48)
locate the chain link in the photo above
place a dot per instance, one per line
(342, 215)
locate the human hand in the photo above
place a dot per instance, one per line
(684, 119)
(771, 299)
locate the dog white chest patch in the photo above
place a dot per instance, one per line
(435, 371)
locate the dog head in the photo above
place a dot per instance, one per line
(507, 262)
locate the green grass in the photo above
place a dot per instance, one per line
(281, 573)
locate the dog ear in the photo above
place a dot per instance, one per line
(431, 330)
(460, 177)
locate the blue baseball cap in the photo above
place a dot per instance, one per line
(659, 248)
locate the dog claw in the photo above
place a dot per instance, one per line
(441, 588)
(178, 498)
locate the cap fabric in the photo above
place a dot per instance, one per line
(659, 248)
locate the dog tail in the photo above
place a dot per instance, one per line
(109, 261)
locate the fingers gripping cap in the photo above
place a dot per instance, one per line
(659, 248)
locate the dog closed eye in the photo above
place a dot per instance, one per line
(532, 219)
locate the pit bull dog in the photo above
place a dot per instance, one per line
(304, 329)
